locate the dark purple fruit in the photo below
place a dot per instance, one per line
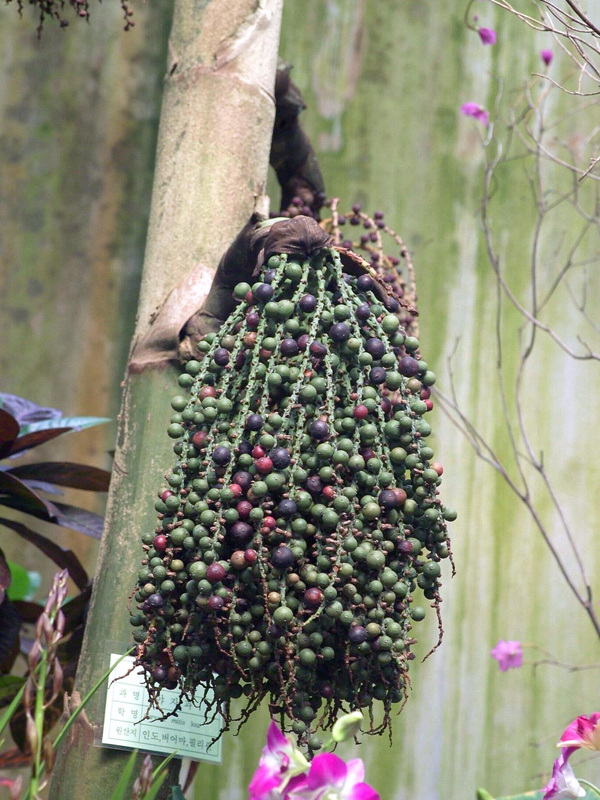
(377, 375)
(269, 275)
(263, 292)
(244, 447)
(221, 455)
(155, 601)
(289, 347)
(302, 341)
(313, 597)
(280, 457)
(408, 367)
(240, 533)
(317, 349)
(340, 332)
(319, 429)
(221, 356)
(365, 283)
(375, 347)
(286, 508)
(254, 422)
(282, 557)
(215, 603)
(388, 499)
(357, 634)
(307, 303)
(243, 479)
(363, 312)
(159, 674)
(314, 484)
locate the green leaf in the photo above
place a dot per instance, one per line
(177, 794)
(155, 788)
(483, 794)
(121, 787)
(73, 423)
(7, 716)
(21, 586)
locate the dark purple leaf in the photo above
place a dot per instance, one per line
(28, 611)
(4, 577)
(34, 439)
(9, 430)
(9, 627)
(13, 487)
(66, 559)
(26, 411)
(65, 473)
(79, 520)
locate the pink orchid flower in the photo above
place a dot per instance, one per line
(547, 56)
(563, 785)
(582, 732)
(281, 763)
(331, 778)
(487, 35)
(508, 655)
(476, 111)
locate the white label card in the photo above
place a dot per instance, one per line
(127, 703)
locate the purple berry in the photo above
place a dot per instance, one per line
(308, 303)
(320, 429)
(221, 356)
(286, 508)
(289, 347)
(375, 347)
(240, 533)
(243, 479)
(357, 634)
(340, 332)
(282, 557)
(221, 455)
(263, 292)
(363, 312)
(408, 367)
(388, 499)
(364, 283)
(280, 457)
(302, 341)
(377, 375)
(269, 275)
(244, 447)
(317, 349)
(314, 484)
(254, 422)
(155, 601)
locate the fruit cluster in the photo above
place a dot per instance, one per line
(302, 513)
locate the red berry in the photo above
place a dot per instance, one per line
(400, 494)
(243, 508)
(425, 393)
(249, 297)
(257, 451)
(160, 542)
(386, 405)
(313, 597)
(360, 412)
(207, 391)
(329, 492)
(165, 494)
(264, 465)
(250, 556)
(199, 438)
(435, 465)
(215, 573)
(236, 489)
(270, 523)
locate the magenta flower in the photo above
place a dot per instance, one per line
(487, 35)
(331, 778)
(547, 56)
(281, 763)
(563, 785)
(582, 732)
(508, 655)
(476, 111)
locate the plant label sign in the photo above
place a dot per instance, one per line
(190, 733)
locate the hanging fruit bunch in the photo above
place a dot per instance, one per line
(302, 515)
